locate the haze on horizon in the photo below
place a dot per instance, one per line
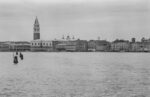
(84, 19)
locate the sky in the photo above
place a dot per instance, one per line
(83, 19)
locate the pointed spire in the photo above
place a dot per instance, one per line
(36, 21)
(36, 29)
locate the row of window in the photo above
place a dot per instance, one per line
(44, 44)
(36, 29)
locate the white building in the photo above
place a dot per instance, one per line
(41, 45)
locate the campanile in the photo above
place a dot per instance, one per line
(36, 30)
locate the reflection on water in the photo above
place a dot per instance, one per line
(76, 75)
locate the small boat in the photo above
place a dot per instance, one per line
(15, 59)
(21, 56)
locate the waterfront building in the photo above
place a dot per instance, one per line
(66, 46)
(102, 45)
(70, 44)
(36, 30)
(146, 44)
(54, 44)
(4, 46)
(137, 47)
(120, 45)
(19, 45)
(15, 46)
(41, 45)
(81, 45)
(61, 47)
(143, 46)
(71, 48)
(92, 45)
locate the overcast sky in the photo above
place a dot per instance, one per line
(85, 19)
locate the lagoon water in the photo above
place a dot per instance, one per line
(67, 74)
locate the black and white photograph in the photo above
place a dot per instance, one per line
(74, 48)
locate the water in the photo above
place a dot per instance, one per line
(75, 75)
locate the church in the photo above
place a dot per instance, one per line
(37, 44)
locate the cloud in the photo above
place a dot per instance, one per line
(84, 19)
(69, 1)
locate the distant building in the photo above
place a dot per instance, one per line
(36, 30)
(70, 44)
(143, 46)
(120, 45)
(41, 45)
(81, 45)
(19, 46)
(92, 45)
(66, 46)
(137, 47)
(146, 44)
(4, 46)
(54, 44)
(102, 45)
(61, 47)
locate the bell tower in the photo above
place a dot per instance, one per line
(36, 29)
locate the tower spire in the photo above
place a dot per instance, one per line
(36, 29)
(36, 21)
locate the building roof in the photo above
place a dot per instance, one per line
(117, 40)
